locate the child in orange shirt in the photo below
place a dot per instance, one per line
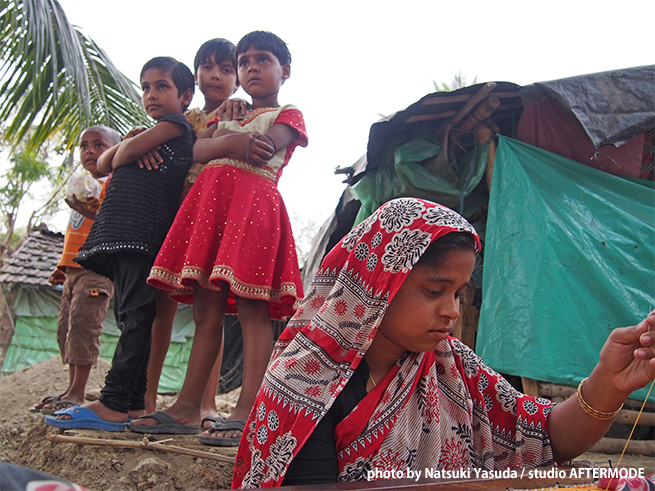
(86, 294)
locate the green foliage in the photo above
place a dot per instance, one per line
(458, 82)
(27, 168)
(55, 78)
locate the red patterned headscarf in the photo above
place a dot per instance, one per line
(402, 423)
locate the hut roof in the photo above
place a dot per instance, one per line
(35, 259)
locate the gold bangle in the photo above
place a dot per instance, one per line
(594, 413)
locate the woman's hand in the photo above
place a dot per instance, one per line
(627, 363)
(627, 360)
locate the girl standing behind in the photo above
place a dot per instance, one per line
(231, 247)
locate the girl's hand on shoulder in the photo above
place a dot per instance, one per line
(231, 109)
(628, 356)
(134, 131)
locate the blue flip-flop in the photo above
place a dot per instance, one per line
(82, 418)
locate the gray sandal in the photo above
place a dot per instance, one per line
(223, 425)
(165, 426)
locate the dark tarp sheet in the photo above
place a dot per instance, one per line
(569, 256)
(613, 107)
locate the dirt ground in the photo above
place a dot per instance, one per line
(23, 440)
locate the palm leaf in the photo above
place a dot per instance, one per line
(55, 79)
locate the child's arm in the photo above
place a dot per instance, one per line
(104, 163)
(57, 277)
(150, 160)
(133, 148)
(79, 207)
(214, 144)
(255, 148)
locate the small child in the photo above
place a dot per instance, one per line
(138, 210)
(215, 73)
(231, 247)
(85, 297)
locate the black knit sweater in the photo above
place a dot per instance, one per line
(140, 205)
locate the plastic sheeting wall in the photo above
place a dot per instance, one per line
(35, 339)
(569, 256)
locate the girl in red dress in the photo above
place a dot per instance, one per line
(231, 248)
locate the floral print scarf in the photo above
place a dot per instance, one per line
(437, 410)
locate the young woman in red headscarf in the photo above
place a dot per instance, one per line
(366, 376)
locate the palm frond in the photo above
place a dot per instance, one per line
(55, 77)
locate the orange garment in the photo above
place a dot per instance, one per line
(76, 232)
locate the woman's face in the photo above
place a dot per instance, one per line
(425, 308)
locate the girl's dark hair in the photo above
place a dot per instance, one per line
(437, 252)
(217, 50)
(265, 41)
(180, 73)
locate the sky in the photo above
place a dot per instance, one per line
(356, 61)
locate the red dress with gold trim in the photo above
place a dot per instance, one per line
(233, 227)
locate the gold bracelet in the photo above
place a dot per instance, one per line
(594, 413)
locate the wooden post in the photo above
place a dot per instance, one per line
(530, 387)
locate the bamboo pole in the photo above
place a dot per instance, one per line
(484, 135)
(472, 102)
(550, 390)
(145, 444)
(441, 98)
(616, 445)
(628, 417)
(481, 112)
(440, 165)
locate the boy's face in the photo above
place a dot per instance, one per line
(92, 144)
(216, 81)
(260, 72)
(160, 97)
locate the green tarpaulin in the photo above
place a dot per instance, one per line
(407, 176)
(35, 339)
(569, 256)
